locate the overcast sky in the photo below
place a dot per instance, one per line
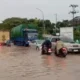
(27, 9)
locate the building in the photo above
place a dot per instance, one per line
(4, 36)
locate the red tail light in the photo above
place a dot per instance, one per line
(64, 49)
(49, 50)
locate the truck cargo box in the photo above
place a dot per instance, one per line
(4, 36)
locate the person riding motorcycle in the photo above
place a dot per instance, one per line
(59, 45)
(45, 46)
(47, 43)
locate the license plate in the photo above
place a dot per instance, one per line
(49, 51)
(75, 50)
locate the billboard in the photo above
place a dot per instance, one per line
(67, 32)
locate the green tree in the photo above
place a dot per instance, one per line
(12, 22)
(9, 23)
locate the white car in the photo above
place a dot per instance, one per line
(72, 47)
(38, 44)
(68, 43)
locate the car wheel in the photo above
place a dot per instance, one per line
(43, 52)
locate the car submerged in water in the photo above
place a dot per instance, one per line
(68, 43)
(38, 44)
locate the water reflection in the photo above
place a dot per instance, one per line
(26, 62)
(52, 62)
(61, 62)
(48, 60)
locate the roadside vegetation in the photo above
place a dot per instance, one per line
(9, 23)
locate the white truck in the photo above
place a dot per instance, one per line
(67, 35)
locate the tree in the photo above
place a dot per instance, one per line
(60, 24)
(64, 23)
(12, 22)
(9, 23)
(48, 26)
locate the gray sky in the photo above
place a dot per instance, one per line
(27, 9)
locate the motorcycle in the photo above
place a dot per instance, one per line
(62, 52)
(46, 51)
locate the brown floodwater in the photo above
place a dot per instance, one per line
(22, 63)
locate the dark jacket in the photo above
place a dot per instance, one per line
(47, 43)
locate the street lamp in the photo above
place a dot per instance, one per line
(42, 17)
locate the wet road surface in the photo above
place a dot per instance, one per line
(21, 63)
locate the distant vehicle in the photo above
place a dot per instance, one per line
(71, 45)
(38, 44)
(68, 43)
(8, 43)
(21, 35)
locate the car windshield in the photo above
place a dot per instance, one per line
(65, 39)
(39, 41)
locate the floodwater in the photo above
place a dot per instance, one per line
(22, 63)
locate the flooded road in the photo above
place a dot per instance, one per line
(21, 63)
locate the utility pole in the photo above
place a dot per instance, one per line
(73, 12)
(55, 23)
(56, 20)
